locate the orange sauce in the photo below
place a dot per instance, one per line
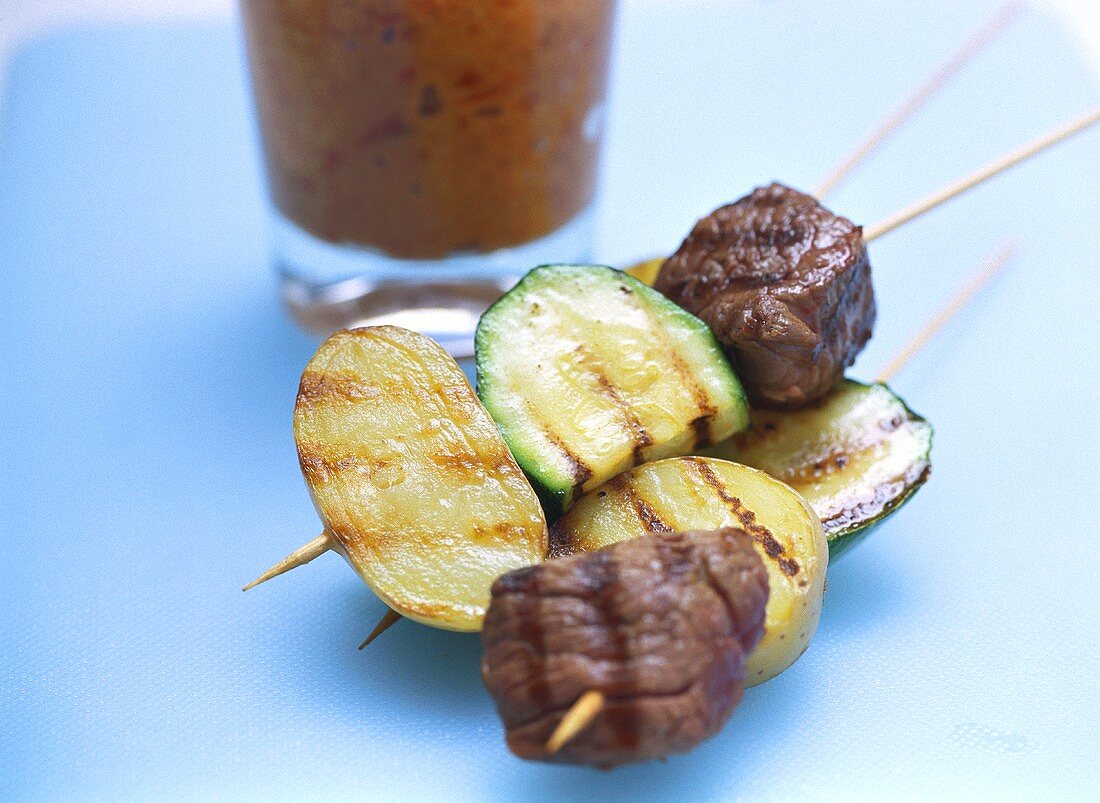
(427, 127)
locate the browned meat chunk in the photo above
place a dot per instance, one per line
(661, 625)
(786, 286)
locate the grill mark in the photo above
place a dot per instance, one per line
(562, 541)
(824, 466)
(579, 471)
(497, 530)
(364, 545)
(759, 533)
(706, 411)
(638, 433)
(459, 401)
(474, 464)
(443, 387)
(529, 613)
(620, 716)
(680, 368)
(701, 427)
(320, 387)
(649, 517)
(321, 467)
(449, 395)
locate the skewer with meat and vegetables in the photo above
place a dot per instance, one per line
(691, 493)
(669, 360)
(671, 356)
(598, 394)
(306, 421)
(579, 599)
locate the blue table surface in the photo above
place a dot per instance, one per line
(149, 375)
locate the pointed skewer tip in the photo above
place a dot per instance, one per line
(388, 620)
(299, 557)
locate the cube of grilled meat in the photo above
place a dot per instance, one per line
(786, 286)
(661, 625)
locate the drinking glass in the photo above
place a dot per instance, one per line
(422, 154)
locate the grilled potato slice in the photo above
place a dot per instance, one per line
(702, 493)
(856, 456)
(411, 477)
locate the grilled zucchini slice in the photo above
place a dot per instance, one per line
(411, 477)
(856, 456)
(589, 372)
(703, 493)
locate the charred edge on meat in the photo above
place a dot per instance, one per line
(778, 244)
(620, 717)
(619, 653)
(530, 630)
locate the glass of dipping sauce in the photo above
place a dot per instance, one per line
(422, 154)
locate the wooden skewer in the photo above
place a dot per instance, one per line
(388, 620)
(299, 557)
(992, 265)
(323, 543)
(588, 705)
(980, 175)
(576, 719)
(303, 555)
(979, 41)
(585, 709)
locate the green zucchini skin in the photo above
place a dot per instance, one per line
(857, 457)
(589, 372)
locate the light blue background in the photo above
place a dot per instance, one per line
(148, 467)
